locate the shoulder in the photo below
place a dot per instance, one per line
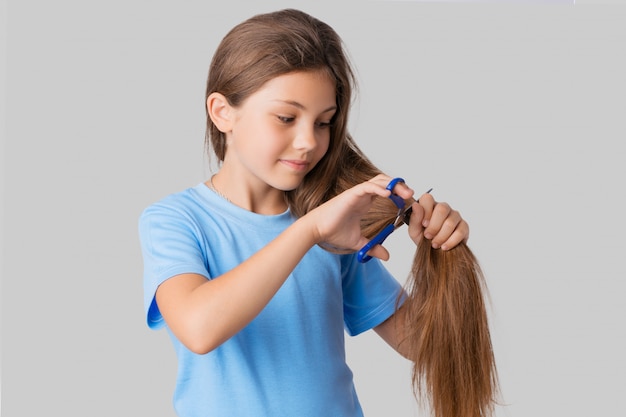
(189, 209)
(187, 201)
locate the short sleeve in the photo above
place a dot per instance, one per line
(370, 294)
(170, 245)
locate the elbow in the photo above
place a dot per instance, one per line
(195, 334)
(200, 341)
(199, 344)
(199, 348)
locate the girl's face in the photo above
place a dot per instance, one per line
(282, 131)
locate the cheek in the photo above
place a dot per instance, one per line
(322, 146)
(321, 149)
(259, 138)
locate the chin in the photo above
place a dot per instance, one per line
(289, 185)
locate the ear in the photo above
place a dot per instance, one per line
(220, 112)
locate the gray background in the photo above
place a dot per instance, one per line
(515, 114)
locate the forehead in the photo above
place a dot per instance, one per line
(300, 86)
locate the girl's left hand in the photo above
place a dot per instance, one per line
(438, 222)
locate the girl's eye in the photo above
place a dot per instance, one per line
(286, 119)
(323, 125)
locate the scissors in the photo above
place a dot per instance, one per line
(402, 217)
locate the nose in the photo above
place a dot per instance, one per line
(306, 138)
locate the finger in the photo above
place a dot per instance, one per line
(448, 227)
(460, 234)
(379, 251)
(400, 188)
(439, 214)
(416, 229)
(427, 201)
(403, 190)
(372, 186)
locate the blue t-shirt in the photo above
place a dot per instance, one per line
(290, 360)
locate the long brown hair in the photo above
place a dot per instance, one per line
(447, 333)
(443, 318)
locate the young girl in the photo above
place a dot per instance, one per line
(254, 273)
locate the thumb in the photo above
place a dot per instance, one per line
(377, 251)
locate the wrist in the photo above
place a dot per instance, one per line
(306, 228)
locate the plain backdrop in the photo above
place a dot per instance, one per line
(515, 113)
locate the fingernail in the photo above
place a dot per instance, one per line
(435, 246)
(425, 222)
(428, 236)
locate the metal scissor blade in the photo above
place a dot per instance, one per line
(406, 216)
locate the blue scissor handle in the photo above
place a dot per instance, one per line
(398, 201)
(362, 256)
(380, 237)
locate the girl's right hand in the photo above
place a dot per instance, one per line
(336, 223)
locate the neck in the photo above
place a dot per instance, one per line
(214, 188)
(265, 202)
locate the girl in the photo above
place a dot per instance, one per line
(253, 272)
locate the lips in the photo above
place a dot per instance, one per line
(296, 164)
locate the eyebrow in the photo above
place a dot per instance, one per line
(302, 107)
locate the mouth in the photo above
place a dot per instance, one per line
(296, 164)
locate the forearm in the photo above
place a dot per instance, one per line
(392, 332)
(204, 314)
